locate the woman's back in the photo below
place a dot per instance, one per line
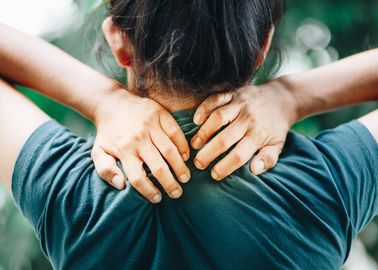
(303, 213)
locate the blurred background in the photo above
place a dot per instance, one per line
(313, 33)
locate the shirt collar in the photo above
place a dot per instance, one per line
(185, 120)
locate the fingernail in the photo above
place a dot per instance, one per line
(184, 178)
(199, 165)
(215, 176)
(197, 143)
(157, 198)
(185, 157)
(117, 182)
(258, 167)
(176, 193)
(197, 119)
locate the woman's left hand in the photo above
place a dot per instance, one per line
(139, 131)
(259, 119)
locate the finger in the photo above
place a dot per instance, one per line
(175, 134)
(266, 159)
(137, 177)
(170, 153)
(160, 170)
(217, 119)
(220, 144)
(238, 157)
(107, 169)
(209, 105)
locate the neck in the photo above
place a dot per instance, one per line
(166, 99)
(171, 102)
(175, 103)
(169, 99)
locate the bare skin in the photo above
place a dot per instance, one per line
(349, 81)
(68, 81)
(61, 77)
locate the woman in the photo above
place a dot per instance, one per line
(71, 89)
(318, 189)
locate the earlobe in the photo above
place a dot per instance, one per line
(116, 42)
(124, 59)
(127, 62)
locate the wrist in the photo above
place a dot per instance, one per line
(291, 104)
(305, 100)
(107, 98)
(106, 95)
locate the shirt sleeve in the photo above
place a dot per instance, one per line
(49, 156)
(56, 187)
(351, 156)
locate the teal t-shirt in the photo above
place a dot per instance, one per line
(303, 214)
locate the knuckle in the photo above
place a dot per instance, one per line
(237, 159)
(220, 98)
(218, 115)
(170, 187)
(105, 173)
(269, 160)
(159, 170)
(172, 132)
(158, 110)
(204, 112)
(135, 139)
(120, 145)
(250, 110)
(280, 147)
(221, 173)
(207, 107)
(248, 117)
(199, 159)
(145, 123)
(222, 144)
(137, 183)
(202, 133)
(167, 151)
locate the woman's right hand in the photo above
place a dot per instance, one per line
(138, 130)
(257, 120)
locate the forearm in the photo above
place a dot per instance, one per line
(346, 82)
(34, 63)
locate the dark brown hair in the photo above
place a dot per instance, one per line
(201, 46)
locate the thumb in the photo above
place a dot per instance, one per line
(107, 169)
(266, 158)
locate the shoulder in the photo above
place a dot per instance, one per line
(52, 159)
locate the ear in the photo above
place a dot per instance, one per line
(266, 47)
(117, 42)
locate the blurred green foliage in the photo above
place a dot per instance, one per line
(352, 26)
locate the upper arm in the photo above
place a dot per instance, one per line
(57, 189)
(351, 155)
(370, 121)
(19, 117)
